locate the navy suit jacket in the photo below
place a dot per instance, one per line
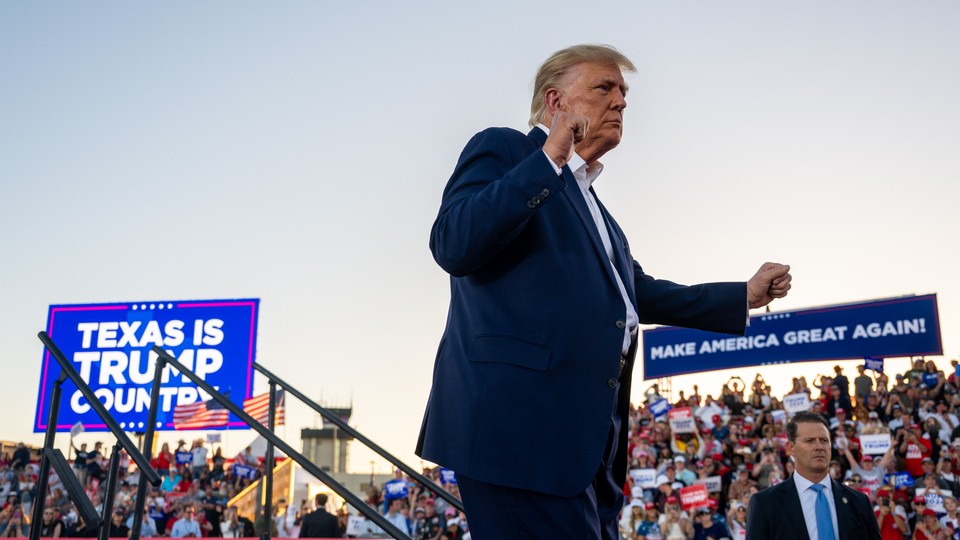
(526, 371)
(776, 513)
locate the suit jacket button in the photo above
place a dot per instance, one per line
(545, 193)
(621, 325)
(531, 204)
(612, 383)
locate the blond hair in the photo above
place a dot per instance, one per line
(554, 68)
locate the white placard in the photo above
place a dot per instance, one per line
(645, 478)
(875, 444)
(713, 483)
(935, 500)
(681, 420)
(779, 415)
(795, 403)
(355, 525)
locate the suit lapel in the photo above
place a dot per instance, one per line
(790, 502)
(624, 266)
(842, 503)
(579, 204)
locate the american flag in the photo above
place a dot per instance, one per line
(258, 407)
(202, 414)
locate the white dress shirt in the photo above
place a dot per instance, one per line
(808, 502)
(585, 175)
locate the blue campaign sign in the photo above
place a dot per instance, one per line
(447, 476)
(110, 347)
(907, 326)
(899, 479)
(183, 458)
(243, 471)
(660, 407)
(396, 489)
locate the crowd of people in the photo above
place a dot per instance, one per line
(191, 502)
(736, 449)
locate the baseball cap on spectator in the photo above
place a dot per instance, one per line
(450, 512)
(703, 511)
(429, 502)
(672, 500)
(873, 414)
(649, 506)
(453, 521)
(883, 492)
(919, 499)
(679, 459)
(705, 431)
(715, 418)
(717, 457)
(927, 459)
(419, 509)
(677, 485)
(867, 457)
(929, 512)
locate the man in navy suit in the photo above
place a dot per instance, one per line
(531, 384)
(810, 505)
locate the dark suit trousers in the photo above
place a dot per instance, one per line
(505, 513)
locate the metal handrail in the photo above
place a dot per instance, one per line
(310, 467)
(337, 421)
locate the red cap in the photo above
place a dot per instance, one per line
(920, 499)
(712, 503)
(867, 457)
(717, 457)
(716, 418)
(672, 500)
(929, 512)
(883, 492)
(704, 431)
(649, 505)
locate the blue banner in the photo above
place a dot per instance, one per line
(110, 347)
(874, 364)
(660, 407)
(908, 326)
(183, 458)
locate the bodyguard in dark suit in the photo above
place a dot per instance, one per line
(810, 505)
(532, 378)
(320, 523)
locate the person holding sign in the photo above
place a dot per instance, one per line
(810, 505)
(869, 470)
(546, 299)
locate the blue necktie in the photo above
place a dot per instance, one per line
(824, 519)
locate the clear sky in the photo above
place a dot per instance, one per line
(296, 152)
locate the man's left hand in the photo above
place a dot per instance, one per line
(771, 281)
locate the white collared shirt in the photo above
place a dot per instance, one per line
(585, 175)
(808, 502)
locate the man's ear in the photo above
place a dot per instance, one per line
(553, 99)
